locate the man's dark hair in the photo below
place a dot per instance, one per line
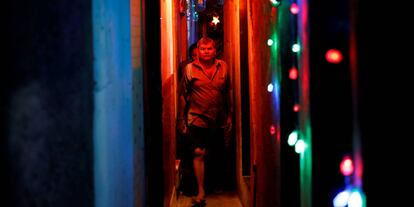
(192, 47)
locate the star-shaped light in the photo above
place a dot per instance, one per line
(215, 20)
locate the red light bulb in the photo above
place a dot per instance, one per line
(293, 73)
(347, 166)
(333, 56)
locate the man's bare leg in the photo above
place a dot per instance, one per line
(198, 163)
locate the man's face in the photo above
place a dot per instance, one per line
(206, 52)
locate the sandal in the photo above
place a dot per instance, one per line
(198, 203)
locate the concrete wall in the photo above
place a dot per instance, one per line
(112, 129)
(265, 176)
(169, 12)
(232, 53)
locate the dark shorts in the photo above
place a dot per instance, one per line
(205, 137)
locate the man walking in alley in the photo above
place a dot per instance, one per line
(206, 90)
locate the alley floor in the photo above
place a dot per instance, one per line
(223, 199)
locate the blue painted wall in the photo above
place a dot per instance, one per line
(112, 128)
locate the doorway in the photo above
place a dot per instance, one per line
(220, 21)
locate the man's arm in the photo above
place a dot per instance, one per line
(182, 104)
(181, 107)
